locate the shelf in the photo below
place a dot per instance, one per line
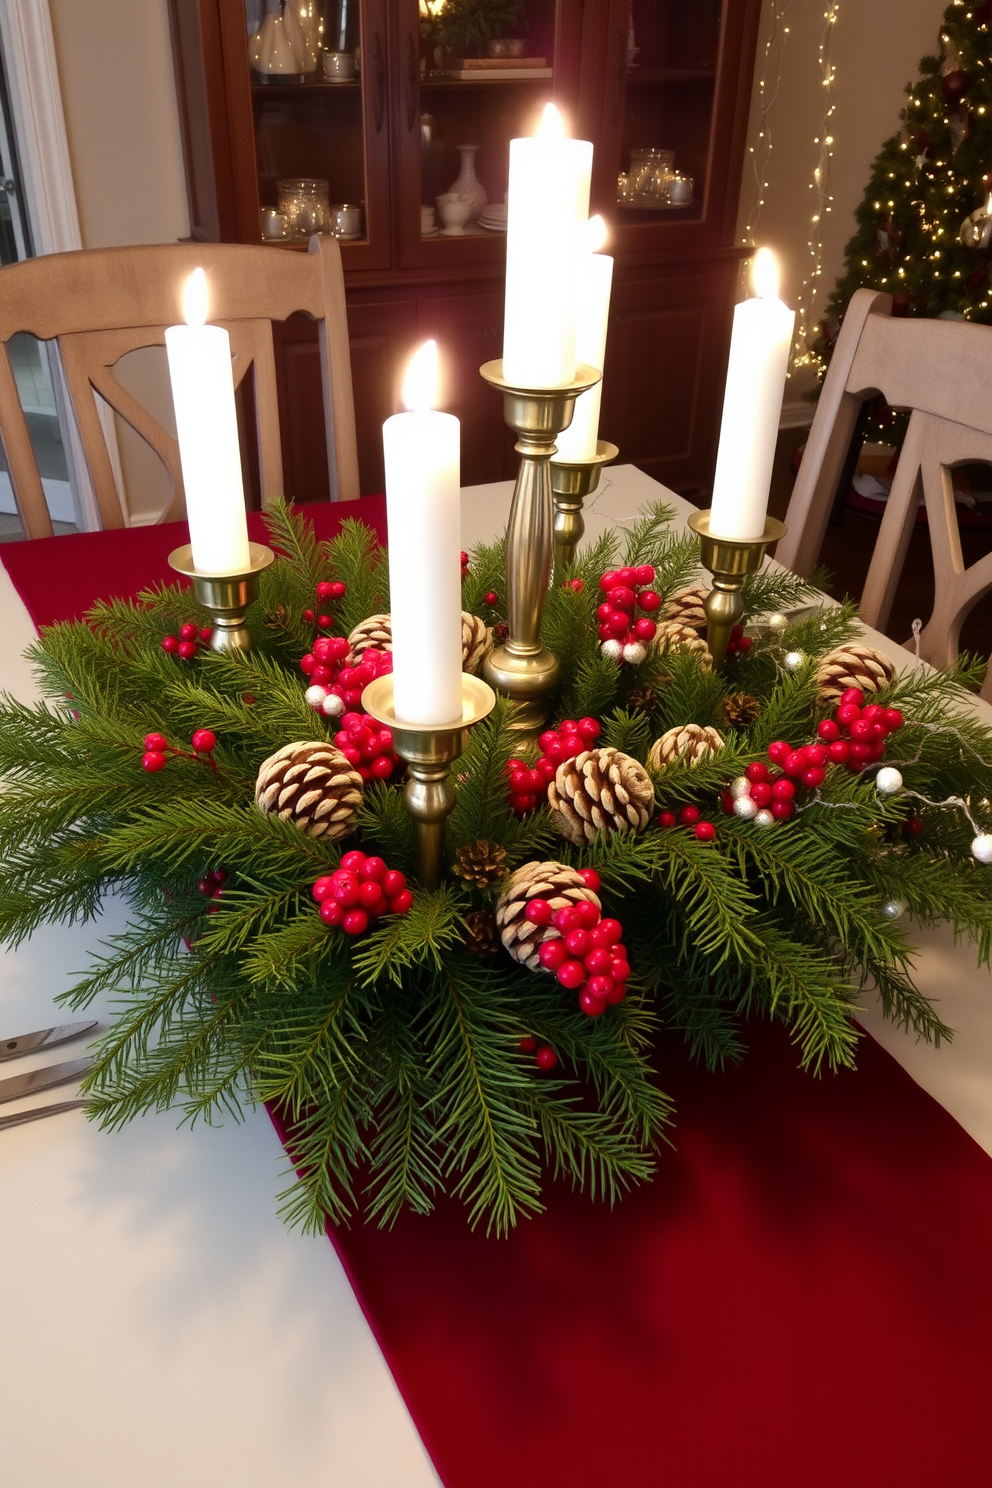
(459, 85)
(315, 85)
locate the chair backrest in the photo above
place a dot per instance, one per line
(100, 304)
(941, 371)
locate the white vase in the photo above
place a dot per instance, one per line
(468, 183)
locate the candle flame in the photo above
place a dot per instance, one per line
(764, 274)
(420, 382)
(552, 125)
(594, 234)
(195, 298)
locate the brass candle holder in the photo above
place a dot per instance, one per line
(571, 482)
(429, 751)
(226, 596)
(522, 668)
(729, 560)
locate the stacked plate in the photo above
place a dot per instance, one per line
(493, 217)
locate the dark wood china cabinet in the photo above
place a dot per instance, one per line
(661, 87)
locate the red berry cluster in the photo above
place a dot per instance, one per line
(576, 585)
(627, 590)
(362, 889)
(326, 590)
(587, 955)
(213, 887)
(529, 783)
(465, 563)
(189, 641)
(738, 640)
(334, 685)
(856, 734)
(367, 746)
(158, 749)
(688, 816)
(544, 1056)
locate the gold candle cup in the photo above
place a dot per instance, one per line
(729, 560)
(226, 596)
(571, 482)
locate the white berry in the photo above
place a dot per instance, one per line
(888, 781)
(745, 808)
(981, 848)
(332, 706)
(740, 787)
(793, 660)
(634, 652)
(891, 909)
(612, 649)
(764, 818)
(315, 695)
(777, 623)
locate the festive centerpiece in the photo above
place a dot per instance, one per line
(683, 846)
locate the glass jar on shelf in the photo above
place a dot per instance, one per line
(305, 205)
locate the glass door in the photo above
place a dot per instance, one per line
(319, 103)
(467, 89)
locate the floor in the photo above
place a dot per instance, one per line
(847, 553)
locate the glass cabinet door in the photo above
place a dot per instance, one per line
(319, 104)
(462, 99)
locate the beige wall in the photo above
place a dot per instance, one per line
(118, 91)
(876, 48)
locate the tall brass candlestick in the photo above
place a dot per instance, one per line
(571, 482)
(429, 751)
(729, 560)
(226, 596)
(522, 667)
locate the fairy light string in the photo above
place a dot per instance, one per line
(802, 356)
(772, 59)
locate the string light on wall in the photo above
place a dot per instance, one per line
(760, 153)
(822, 198)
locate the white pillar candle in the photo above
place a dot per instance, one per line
(547, 204)
(752, 406)
(207, 426)
(423, 512)
(594, 282)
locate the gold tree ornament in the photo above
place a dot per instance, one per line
(600, 790)
(550, 880)
(852, 665)
(690, 741)
(311, 785)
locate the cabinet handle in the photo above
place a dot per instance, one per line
(412, 80)
(378, 82)
(620, 75)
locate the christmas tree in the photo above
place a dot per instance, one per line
(924, 227)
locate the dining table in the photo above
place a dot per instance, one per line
(161, 1326)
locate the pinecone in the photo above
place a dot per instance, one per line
(480, 936)
(376, 631)
(481, 863)
(311, 785)
(852, 665)
(555, 882)
(690, 741)
(477, 642)
(600, 790)
(644, 697)
(672, 635)
(740, 710)
(686, 606)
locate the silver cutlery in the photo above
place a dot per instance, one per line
(20, 1117)
(43, 1079)
(45, 1038)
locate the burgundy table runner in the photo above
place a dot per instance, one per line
(801, 1299)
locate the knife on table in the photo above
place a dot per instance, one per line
(19, 1118)
(43, 1079)
(45, 1038)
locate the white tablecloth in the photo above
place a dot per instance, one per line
(158, 1325)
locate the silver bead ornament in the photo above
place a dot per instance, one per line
(981, 848)
(793, 660)
(764, 818)
(332, 706)
(634, 652)
(777, 624)
(740, 787)
(315, 695)
(888, 781)
(745, 808)
(891, 909)
(612, 649)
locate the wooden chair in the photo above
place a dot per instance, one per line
(940, 370)
(99, 304)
